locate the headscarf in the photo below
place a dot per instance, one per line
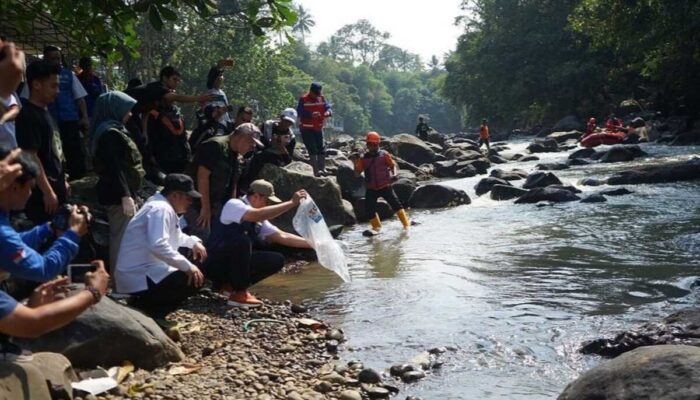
(110, 109)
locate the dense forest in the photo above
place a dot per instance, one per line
(522, 63)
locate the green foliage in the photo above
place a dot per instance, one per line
(106, 27)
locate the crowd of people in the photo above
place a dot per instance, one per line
(210, 221)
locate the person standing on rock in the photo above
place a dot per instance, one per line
(484, 135)
(149, 266)
(236, 262)
(422, 129)
(118, 164)
(313, 111)
(379, 169)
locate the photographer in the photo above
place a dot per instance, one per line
(18, 251)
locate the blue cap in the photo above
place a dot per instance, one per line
(316, 88)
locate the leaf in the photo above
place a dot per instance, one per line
(184, 369)
(154, 18)
(287, 13)
(168, 14)
(142, 6)
(265, 22)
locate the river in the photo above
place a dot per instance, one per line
(514, 289)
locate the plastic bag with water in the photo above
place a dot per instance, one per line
(309, 222)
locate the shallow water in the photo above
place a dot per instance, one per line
(514, 288)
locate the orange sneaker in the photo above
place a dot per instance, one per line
(243, 299)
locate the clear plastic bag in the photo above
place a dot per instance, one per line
(309, 222)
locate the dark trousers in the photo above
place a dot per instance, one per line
(73, 149)
(35, 205)
(485, 141)
(371, 197)
(164, 297)
(238, 265)
(313, 140)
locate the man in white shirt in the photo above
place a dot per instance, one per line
(9, 111)
(235, 263)
(149, 267)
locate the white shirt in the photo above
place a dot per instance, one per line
(149, 247)
(78, 89)
(7, 130)
(235, 209)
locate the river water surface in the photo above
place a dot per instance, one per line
(514, 289)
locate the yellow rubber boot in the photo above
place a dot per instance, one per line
(375, 222)
(403, 217)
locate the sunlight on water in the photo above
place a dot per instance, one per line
(513, 288)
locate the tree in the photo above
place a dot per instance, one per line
(107, 27)
(361, 42)
(304, 22)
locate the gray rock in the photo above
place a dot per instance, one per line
(582, 153)
(412, 376)
(496, 159)
(666, 173)
(569, 123)
(512, 175)
(620, 153)
(411, 149)
(594, 198)
(485, 185)
(529, 158)
(368, 375)
(383, 209)
(540, 179)
(562, 137)
(438, 196)
(506, 192)
(578, 161)
(352, 187)
(445, 169)
(657, 372)
(324, 191)
(109, 334)
(543, 146)
(404, 188)
(551, 166)
(466, 172)
(615, 192)
(378, 393)
(350, 395)
(555, 195)
(480, 164)
(400, 369)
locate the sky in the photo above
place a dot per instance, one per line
(421, 27)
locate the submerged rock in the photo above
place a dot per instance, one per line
(512, 175)
(594, 198)
(582, 153)
(506, 192)
(551, 194)
(657, 372)
(540, 179)
(673, 172)
(485, 185)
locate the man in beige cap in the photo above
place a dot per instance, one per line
(234, 262)
(215, 172)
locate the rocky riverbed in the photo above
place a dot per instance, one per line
(275, 352)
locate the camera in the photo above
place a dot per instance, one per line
(76, 272)
(61, 219)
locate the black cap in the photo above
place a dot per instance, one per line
(180, 183)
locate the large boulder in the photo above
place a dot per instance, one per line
(412, 149)
(108, 334)
(671, 172)
(485, 185)
(481, 165)
(540, 179)
(466, 171)
(383, 209)
(687, 139)
(657, 372)
(352, 187)
(496, 159)
(528, 158)
(462, 155)
(543, 146)
(552, 194)
(512, 175)
(569, 123)
(682, 327)
(324, 191)
(620, 153)
(506, 192)
(582, 153)
(562, 137)
(445, 169)
(404, 188)
(552, 166)
(438, 196)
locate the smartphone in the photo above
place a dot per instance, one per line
(76, 272)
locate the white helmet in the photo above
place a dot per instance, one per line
(289, 113)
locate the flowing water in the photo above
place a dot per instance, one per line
(514, 289)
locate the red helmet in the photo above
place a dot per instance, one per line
(373, 137)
